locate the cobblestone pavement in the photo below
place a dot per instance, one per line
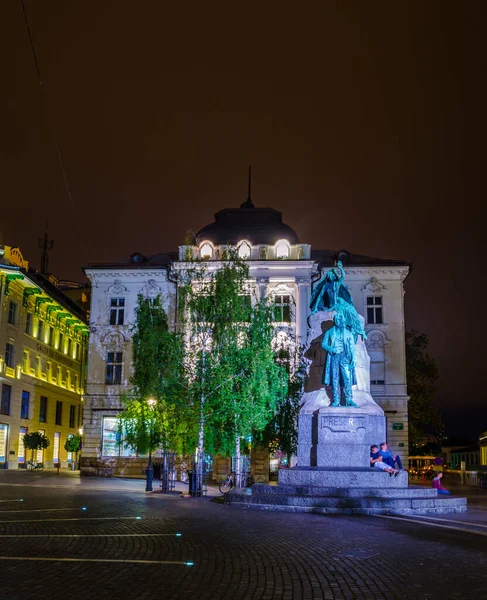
(108, 539)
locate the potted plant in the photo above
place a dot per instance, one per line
(73, 444)
(35, 441)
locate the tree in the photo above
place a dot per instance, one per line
(36, 441)
(73, 444)
(422, 377)
(150, 416)
(285, 422)
(232, 379)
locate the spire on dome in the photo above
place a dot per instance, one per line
(248, 203)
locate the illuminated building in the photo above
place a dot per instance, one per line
(282, 269)
(42, 362)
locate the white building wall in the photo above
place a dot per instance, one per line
(290, 276)
(100, 399)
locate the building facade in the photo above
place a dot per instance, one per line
(43, 340)
(282, 269)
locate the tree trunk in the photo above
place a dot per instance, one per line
(201, 436)
(238, 474)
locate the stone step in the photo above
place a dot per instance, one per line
(347, 505)
(386, 492)
(437, 510)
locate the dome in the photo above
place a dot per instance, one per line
(257, 225)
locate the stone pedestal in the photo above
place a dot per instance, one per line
(333, 473)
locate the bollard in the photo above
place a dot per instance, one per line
(58, 466)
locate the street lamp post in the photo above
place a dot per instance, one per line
(148, 487)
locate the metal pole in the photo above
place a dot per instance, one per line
(148, 486)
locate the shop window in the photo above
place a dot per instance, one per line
(55, 447)
(21, 450)
(117, 311)
(3, 442)
(112, 442)
(24, 407)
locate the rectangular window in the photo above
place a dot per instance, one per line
(374, 309)
(55, 448)
(9, 355)
(76, 383)
(6, 395)
(117, 311)
(70, 454)
(12, 312)
(43, 410)
(21, 450)
(51, 336)
(25, 362)
(68, 349)
(40, 453)
(40, 330)
(24, 407)
(61, 342)
(72, 414)
(3, 443)
(282, 308)
(112, 443)
(59, 413)
(114, 368)
(28, 323)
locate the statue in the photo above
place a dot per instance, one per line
(330, 293)
(339, 343)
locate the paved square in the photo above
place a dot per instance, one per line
(65, 538)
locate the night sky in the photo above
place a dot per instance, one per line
(364, 123)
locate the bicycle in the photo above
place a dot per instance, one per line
(230, 482)
(227, 484)
(34, 466)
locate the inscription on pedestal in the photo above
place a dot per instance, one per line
(339, 424)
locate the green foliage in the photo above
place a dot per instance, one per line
(422, 377)
(281, 432)
(232, 378)
(73, 444)
(36, 441)
(157, 356)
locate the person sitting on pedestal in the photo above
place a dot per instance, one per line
(389, 458)
(377, 462)
(339, 343)
(437, 485)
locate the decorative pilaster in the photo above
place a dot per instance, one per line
(302, 304)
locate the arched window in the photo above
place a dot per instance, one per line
(282, 249)
(206, 251)
(244, 249)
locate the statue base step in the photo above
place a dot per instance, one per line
(390, 498)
